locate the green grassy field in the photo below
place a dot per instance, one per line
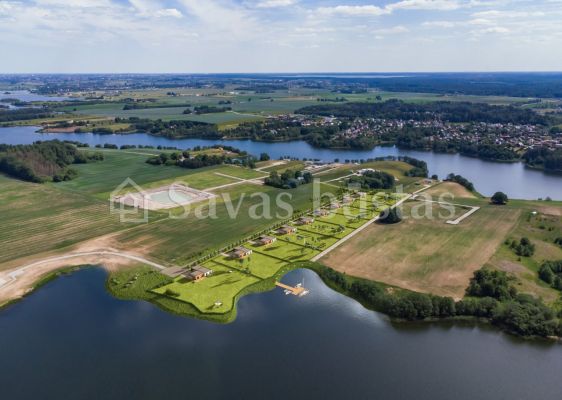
(428, 255)
(102, 178)
(541, 228)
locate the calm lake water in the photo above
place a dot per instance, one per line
(25, 95)
(512, 178)
(73, 340)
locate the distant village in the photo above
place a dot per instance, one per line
(513, 136)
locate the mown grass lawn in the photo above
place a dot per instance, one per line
(223, 286)
(257, 264)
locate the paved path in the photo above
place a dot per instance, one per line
(339, 179)
(254, 181)
(457, 221)
(275, 164)
(355, 232)
(13, 276)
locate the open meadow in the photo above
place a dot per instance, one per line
(426, 255)
(541, 223)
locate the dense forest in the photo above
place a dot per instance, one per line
(43, 161)
(541, 157)
(24, 114)
(444, 110)
(174, 129)
(482, 84)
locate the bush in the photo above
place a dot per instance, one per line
(491, 283)
(390, 216)
(524, 248)
(499, 198)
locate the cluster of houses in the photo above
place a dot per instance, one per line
(513, 136)
(198, 272)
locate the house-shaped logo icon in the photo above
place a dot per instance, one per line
(130, 201)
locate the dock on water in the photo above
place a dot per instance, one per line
(298, 290)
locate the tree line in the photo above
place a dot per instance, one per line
(444, 110)
(490, 295)
(174, 129)
(288, 179)
(373, 180)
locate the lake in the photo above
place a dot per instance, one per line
(514, 179)
(25, 95)
(71, 339)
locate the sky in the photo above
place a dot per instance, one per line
(213, 36)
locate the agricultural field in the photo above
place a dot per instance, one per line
(426, 255)
(163, 113)
(40, 218)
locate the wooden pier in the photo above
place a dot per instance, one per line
(298, 290)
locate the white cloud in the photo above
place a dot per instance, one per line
(390, 31)
(444, 5)
(480, 21)
(169, 12)
(508, 14)
(372, 10)
(440, 24)
(367, 10)
(275, 3)
(495, 29)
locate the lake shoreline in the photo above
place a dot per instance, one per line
(189, 311)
